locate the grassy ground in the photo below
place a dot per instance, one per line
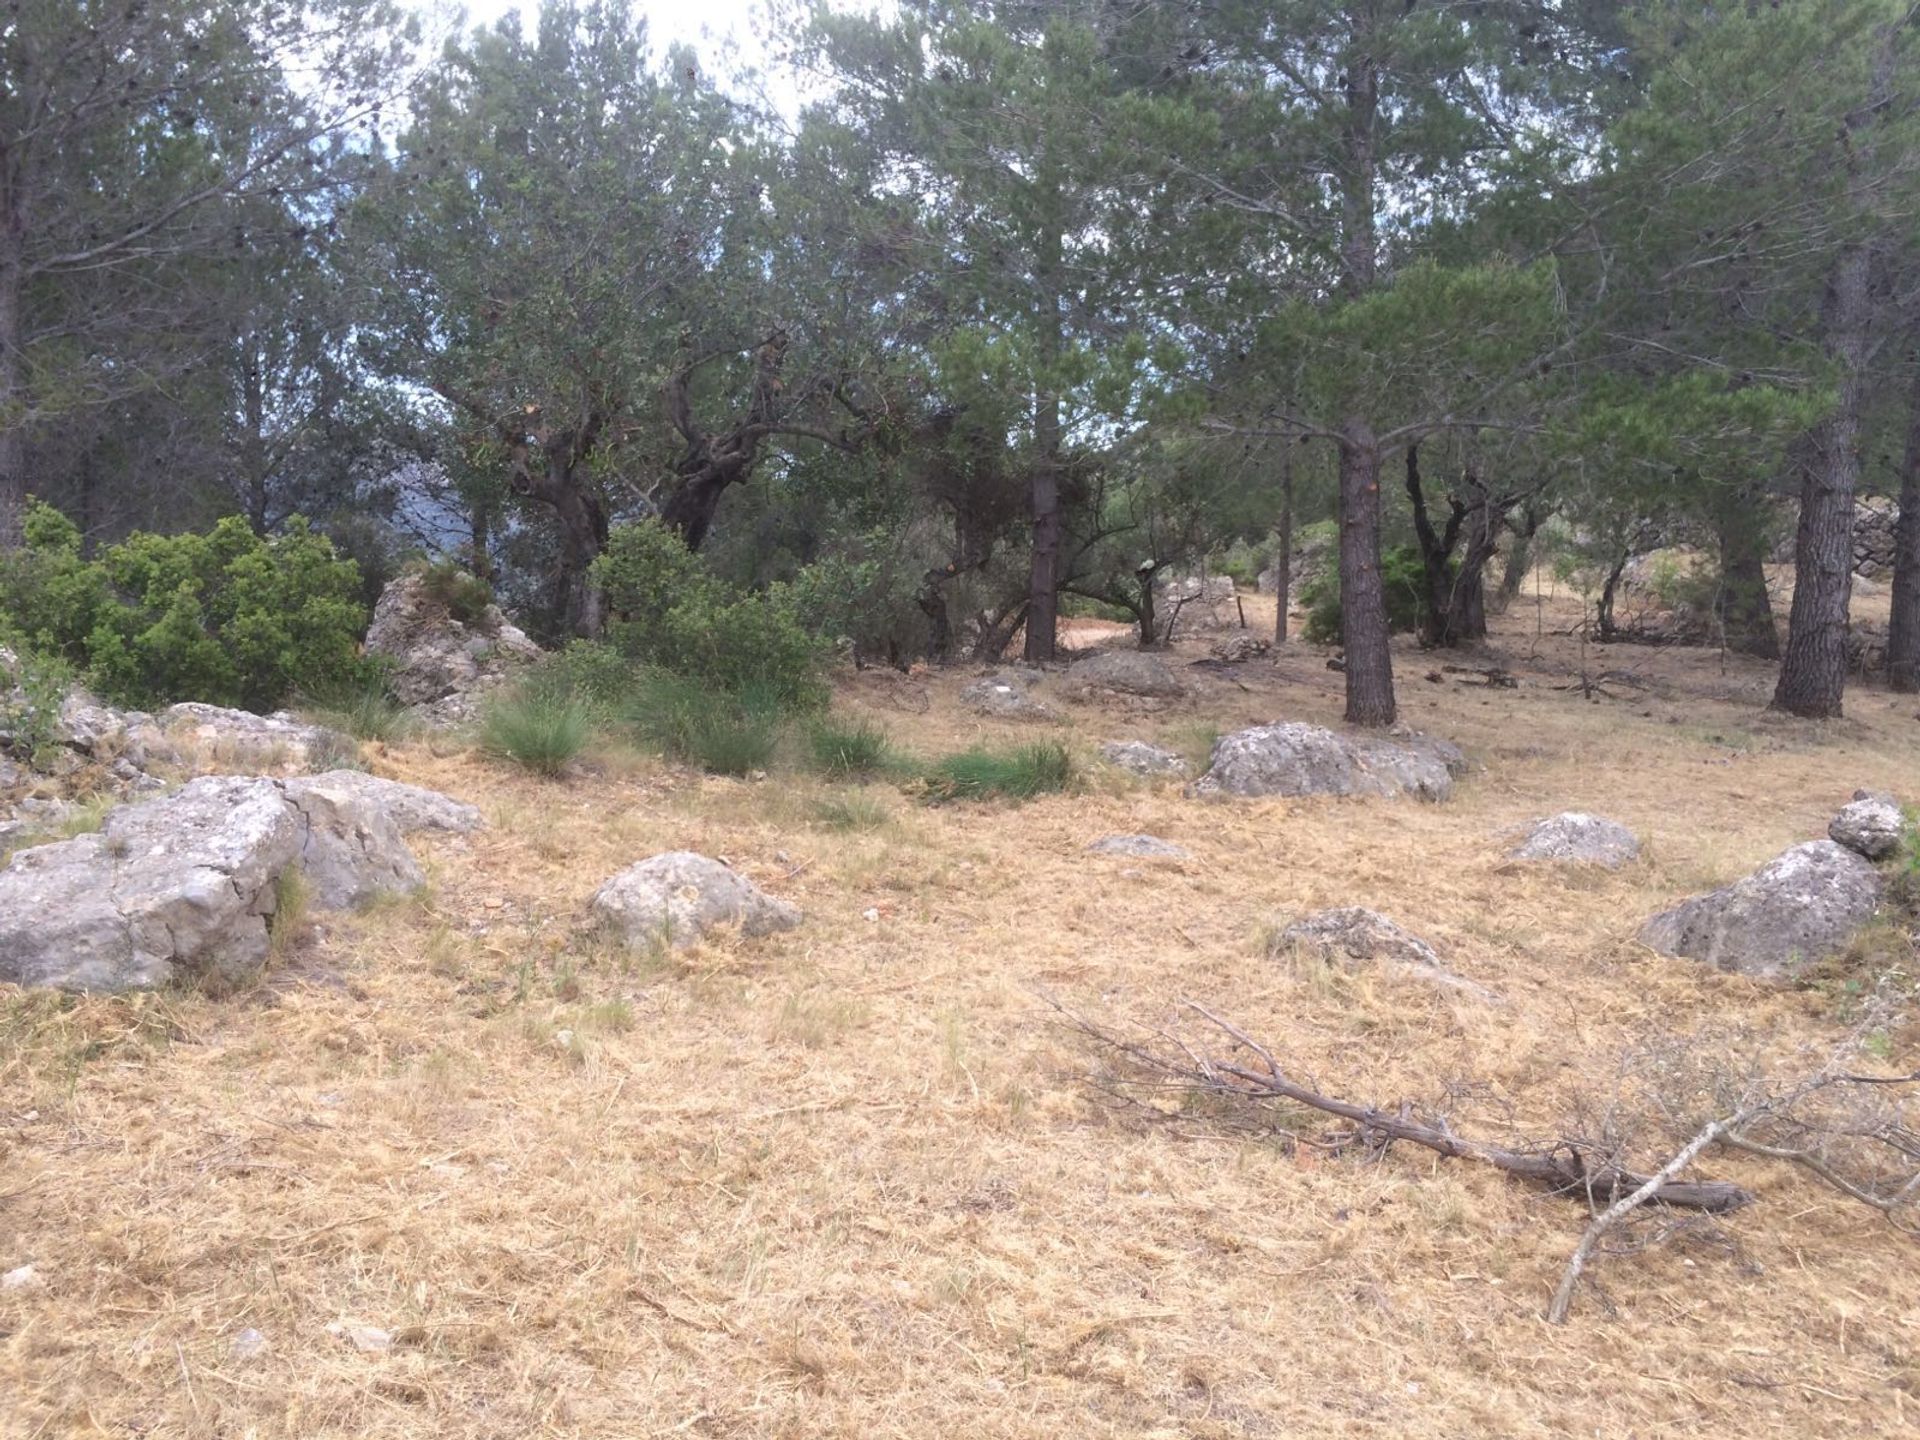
(851, 1180)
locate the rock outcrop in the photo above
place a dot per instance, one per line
(1578, 838)
(1186, 603)
(411, 807)
(184, 887)
(676, 898)
(1293, 759)
(1127, 674)
(276, 744)
(443, 666)
(1795, 910)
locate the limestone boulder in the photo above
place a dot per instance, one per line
(1293, 759)
(1795, 910)
(679, 897)
(1008, 695)
(1575, 837)
(239, 740)
(1870, 825)
(1140, 847)
(1139, 758)
(1352, 937)
(184, 887)
(1129, 674)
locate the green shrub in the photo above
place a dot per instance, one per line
(860, 748)
(721, 733)
(539, 729)
(981, 774)
(866, 596)
(670, 612)
(1403, 575)
(1243, 561)
(465, 596)
(30, 708)
(225, 617)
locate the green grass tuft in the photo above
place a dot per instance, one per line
(982, 774)
(539, 729)
(364, 709)
(861, 748)
(855, 810)
(723, 734)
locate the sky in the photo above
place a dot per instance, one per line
(703, 23)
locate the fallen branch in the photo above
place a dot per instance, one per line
(1569, 1167)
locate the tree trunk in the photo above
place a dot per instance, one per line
(1363, 601)
(1043, 486)
(13, 436)
(1743, 607)
(1149, 622)
(1519, 557)
(583, 535)
(1436, 553)
(1813, 675)
(1283, 546)
(689, 511)
(253, 445)
(1903, 634)
(479, 528)
(1603, 612)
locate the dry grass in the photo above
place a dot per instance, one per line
(849, 1181)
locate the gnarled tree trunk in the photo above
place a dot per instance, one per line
(1745, 610)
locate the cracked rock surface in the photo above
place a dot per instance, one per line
(183, 887)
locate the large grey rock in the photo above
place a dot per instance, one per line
(1796, 909)
(1141, 758)
(239, 740)
(1127, 673)
(441, 666)
(1577, 837)
(1007, 695)
(351, 851)
(1352, 936)
(1871, 825)
(183, 886)
(1296, 759)
(1876, 537)
(1140, 847)
(410, 807)
(1239, 649)
(679, 896)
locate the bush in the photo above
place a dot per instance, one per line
(672, 613)
(538, 728)
(868, 599)
(981, 774)
(722, 734)
(861, 748)
(1403, 575)
(465, 596)
(225, 617)
(1243, 561)
(30, 708)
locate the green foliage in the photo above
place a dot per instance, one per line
(983, 774)
(465, 596)
(537, 727)
(1243, 561)
(860, 748)
(1404, 577)
(224, 617)
(722, 733)
(30, 707)
(672, 613)
(865, 595)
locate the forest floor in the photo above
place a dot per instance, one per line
(853, 1181)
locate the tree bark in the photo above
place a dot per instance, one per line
(1519, 557)
(1283, 545)
(253, 445)
(1363, 601)
(1745, 610)
(1813, 674)
(1043, 486)
(1903, 634)
(13, 437)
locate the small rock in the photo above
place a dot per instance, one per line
(1871, 825)
(1140, 758)
(411, 807)
(1353, 934)
(239, 740)
(1007, 694)
(247, 1344)
(369, 1338)
(1579, 838)
(1140, 847)
(870, 915)
(24, 1277)
(679, 896)
(1239, 649)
